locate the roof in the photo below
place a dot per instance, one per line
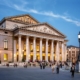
(72, 46)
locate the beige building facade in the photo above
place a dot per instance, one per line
(72, 53)
(23, 38)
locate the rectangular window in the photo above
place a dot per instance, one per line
(5, 44)
(69, 54)
(73, 51)
(5, 57)
(73, 54)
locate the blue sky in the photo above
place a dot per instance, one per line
(64, 15)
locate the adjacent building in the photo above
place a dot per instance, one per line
(72, 53)
(23, 38)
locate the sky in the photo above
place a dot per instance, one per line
(64, 15)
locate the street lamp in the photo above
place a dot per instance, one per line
(79, 46)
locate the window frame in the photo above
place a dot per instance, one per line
(5, 44)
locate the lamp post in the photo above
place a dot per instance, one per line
(79, 46)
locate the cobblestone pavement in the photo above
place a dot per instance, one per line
(35, 73)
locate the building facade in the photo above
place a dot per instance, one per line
(72, 53)
(23, 38)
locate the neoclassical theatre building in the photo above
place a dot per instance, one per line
(23, 38)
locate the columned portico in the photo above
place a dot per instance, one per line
(47, 54)
(46, 49)
(39, 47)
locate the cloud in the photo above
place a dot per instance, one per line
(22, 6)
(51, 14)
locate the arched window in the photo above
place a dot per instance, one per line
(6, 44)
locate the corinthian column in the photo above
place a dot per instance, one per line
(47, 50)
(63, 51)
(40, 49)
(34, 49)
(52, 50)
(14, 50)
(27, 49)
(19, 42)
(57, 51)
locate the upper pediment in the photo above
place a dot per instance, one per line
(26, 19)
(44, 28)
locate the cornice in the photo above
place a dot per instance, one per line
(5, 29)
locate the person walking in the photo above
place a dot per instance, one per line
(53, 68)
(72, 70)
(43, 65)
(57, 69)
(40, 65)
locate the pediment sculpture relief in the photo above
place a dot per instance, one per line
(24, 19)
(44, 29)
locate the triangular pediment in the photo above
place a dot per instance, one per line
(23, 19)
(44, 28)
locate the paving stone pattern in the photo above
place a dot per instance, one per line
(35, 73)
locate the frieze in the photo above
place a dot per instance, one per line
(33, 34)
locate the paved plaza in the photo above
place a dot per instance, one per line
(35, 73)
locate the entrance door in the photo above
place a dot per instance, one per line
(37, 58)
(48, 58)
(31, 58)
(54, 58)
(60, 58)
(43, 57)
(24, 58)
(17, 58)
